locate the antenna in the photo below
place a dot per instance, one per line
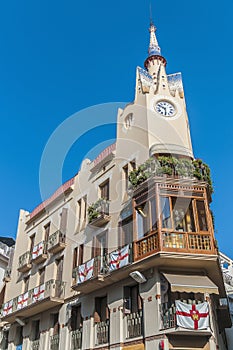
(151, 14)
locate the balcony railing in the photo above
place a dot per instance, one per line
(134, 324)
(76, 339)
(98, 213)
(7, 275)
(35, 344)
(39, 253)
(90, 269)
(172, 241)
(56, 242)
(146, 246)
(168, 313)
(50, 289)
(54, 342)
(25, 262)
(102, 332)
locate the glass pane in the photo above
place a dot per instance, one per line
(183, 215)
(143, 220)
(166, 212)
(154, 215)
(201, 216)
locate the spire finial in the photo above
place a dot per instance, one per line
(154, 48)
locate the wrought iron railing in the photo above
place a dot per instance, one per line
(134, 324)
(7, 274)
(102, 332)
(35, 344)
(168, 313)
(55, 239)
(51, 288)
(98, 209)
(76, 339)
(54, 342)
(24, 259)
(39, 250)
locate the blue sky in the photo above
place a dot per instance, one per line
(53, 52)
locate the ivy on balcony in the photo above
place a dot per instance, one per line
(171, 166)
(97, 209)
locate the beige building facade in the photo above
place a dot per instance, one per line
(103, 262)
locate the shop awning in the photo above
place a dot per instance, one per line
(191, 284)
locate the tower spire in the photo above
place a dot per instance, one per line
(154, 48)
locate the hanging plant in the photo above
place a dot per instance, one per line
(171, 166)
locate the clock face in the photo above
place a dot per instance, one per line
(165, 108)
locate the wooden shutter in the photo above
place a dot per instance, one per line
(59, 269)
(63, 222)
(80, 254)
(75, 257)
(47, 230)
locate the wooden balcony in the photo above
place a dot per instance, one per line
(173, 242)
(25, 262)
(39, 253)
(36, 300)
(98, 213)
(76, 339)
(56, 242)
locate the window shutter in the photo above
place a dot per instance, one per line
(63, 222)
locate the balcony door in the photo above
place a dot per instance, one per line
(100, 249)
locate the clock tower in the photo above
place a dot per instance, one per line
(157, 118)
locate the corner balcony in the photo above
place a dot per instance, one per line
(173, 242)
(36, 300)
(39, 253)
(24, 264)
(56, 242)
(98, 213)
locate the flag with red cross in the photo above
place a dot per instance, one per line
(119, 258)
(192, 316)
(85, 271)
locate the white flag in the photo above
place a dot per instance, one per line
(85, 271)
(119, 258)
(192, 316)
